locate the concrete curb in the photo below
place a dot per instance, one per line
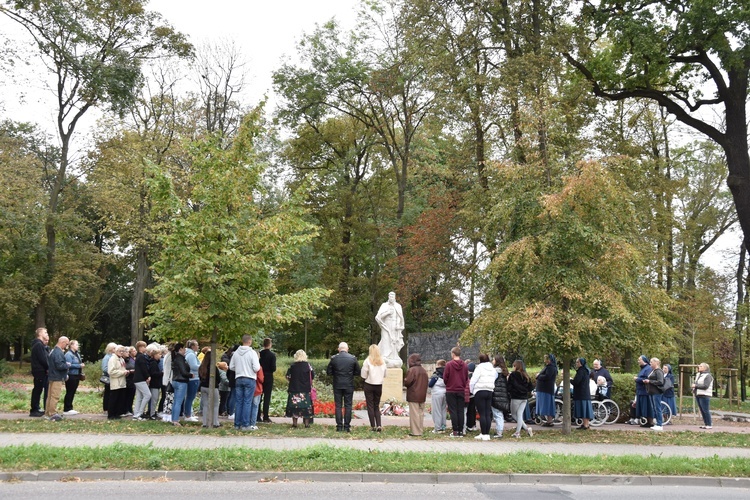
(373, 477)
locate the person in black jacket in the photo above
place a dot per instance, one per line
(180, 377)
(600, 371)
(582, 395)
(342, 368)
(267, 360)
(545, 390)
(299, 403)
(39, 367)
(500, 395)
(141, 380)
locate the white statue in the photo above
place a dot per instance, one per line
(390, 317)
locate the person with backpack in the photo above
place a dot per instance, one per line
(519, 387)
(500, 395)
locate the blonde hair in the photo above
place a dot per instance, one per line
(111, 347)
(374, 357)
(300, 356)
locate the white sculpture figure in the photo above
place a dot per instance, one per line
(390, 317)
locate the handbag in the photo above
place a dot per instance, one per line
(104, 379)
(82, 377)
(313, 391)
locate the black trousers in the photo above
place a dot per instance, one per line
(483, 400)
(266, 403)
(40, 387)
(372, 396)
(342, 398)
(117, 401)
(471, 413)
(71, 386)
(455, 402)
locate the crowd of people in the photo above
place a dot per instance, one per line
(153, 381)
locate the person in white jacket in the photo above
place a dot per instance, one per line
(482, 384)
(246, 366)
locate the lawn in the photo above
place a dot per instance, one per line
(326, 458)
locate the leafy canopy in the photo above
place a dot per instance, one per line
(221, 255)
(574, 283)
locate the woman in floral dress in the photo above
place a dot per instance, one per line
(299, 403)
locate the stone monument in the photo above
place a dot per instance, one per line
(390, 318)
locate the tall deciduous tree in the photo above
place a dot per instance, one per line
(574, 284)
(221, 257)
(690, 56)
(93, 51)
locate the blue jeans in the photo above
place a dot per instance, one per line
(244, 392)
(193, 387)
(254, 408)
(499, 419)
(180, 391)
(656, 409)
(704, 403)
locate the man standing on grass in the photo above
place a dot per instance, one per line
(268, 363)
(342, 368)
(58, 374)
(246, 367)
(39, 367)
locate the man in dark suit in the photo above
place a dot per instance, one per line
(342, 367)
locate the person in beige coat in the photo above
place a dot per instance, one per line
(117, 383)
(416, 393)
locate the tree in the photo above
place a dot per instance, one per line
(573, 284)
(671, 52)
(220, 259)
(93, 51)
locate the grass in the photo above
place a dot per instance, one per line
(278, 430)
(326, 458)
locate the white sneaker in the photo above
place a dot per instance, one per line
(231, 417)
(70, 412)
(485, 437)
(192, 419)
(479, 437)
(657, 428)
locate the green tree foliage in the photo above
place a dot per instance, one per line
(692, 57)
(93, 51)
(574, 285)
(216, 275)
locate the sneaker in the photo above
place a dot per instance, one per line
(437, 431)
(531, 433)
(56, 418)
(192, 419)
(708, 427)
(517, 435)
(657, 428)
(485, 437)
(253, 427)
(231, 417)
(455, 435)
(479, 437)
(498, 436)
(471, 429)
(70, 412)
(245, 429)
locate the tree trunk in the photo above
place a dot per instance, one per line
(212, 381)
(567, 413)
(142, 274)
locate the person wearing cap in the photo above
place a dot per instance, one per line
(642, 400)
(342, 367)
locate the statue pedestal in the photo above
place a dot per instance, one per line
(393, 385)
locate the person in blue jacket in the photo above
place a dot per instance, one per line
(643, 402)
(545, 390)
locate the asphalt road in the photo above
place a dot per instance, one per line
(186, 490)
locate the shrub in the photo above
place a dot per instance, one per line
(5, 369)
